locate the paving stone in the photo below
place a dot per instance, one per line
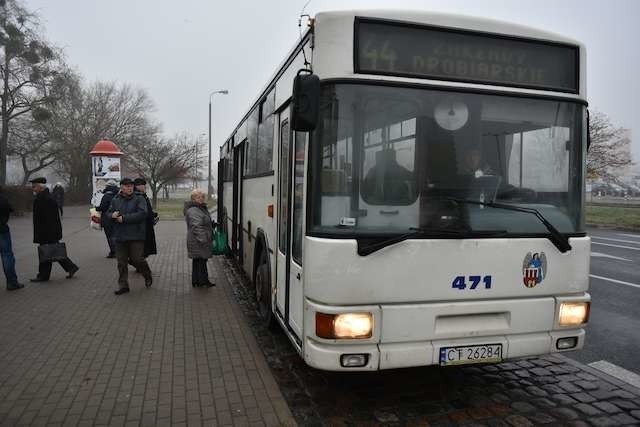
(523, 407)
(635, 414)
(569, 387)
(518, 421)
(563, 399)
(541, 418)
(607, 407)
(541, 372)
(565, 413)
(586, 385)
(604, 422)
(624, 419)
(625, 404)
(583, 397)
(543, 402)
(588, 409)
(602, 394)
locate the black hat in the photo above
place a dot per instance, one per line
(39, 180)
(126, 181)
(139, 181)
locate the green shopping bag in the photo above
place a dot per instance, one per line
(220, 246)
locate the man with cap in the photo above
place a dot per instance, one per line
(108, 194)
(47, 228)
(152, 218)
(128, 212)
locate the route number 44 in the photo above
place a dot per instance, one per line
(461, 282)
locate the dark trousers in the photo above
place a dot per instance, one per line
(44, 268)
(131, 252)
(108, 232)
(8, 260)
(199, 273)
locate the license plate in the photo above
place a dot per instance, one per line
(462, 355)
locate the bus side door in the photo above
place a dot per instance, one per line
(289, 290)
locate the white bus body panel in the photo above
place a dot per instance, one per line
(423, 270)
(416, 309)
(256, 196)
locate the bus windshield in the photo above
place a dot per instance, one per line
(386, 160)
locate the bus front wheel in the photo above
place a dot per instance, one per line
(263, 292)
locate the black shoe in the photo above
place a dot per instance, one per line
(38, 279)
(207, 285)
(111, 255)
(72, 272)
(148, 281)
(15, 286)
(121, 291)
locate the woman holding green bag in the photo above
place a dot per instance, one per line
(199, 237)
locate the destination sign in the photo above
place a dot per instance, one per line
(437, 53)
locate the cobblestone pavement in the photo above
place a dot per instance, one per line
(73, 353)
(551, 390)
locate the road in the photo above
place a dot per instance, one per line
(613, 333)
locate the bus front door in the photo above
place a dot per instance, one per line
(289, 295)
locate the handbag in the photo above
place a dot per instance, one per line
(220, 246)
(49, 252)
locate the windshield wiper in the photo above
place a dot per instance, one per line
(364, 250)
(561, 242)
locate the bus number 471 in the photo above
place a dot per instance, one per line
(461, 282)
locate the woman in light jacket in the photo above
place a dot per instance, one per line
(199, 237)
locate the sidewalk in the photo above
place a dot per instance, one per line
(73, 353)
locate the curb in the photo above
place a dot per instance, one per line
(285, 417)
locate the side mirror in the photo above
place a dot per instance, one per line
(305, 101)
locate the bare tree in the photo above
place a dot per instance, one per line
(28, 65)
(163, 161)
(609, 150)
(29, 141)
(86, 115)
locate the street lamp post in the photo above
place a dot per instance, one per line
(209, 187)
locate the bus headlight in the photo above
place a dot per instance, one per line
(344, 325)
(573, 313)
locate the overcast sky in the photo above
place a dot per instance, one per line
(181, 50)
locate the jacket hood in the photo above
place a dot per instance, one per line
(112, 189)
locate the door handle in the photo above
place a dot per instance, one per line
(396, 212)
(298, 276)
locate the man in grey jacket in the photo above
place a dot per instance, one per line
(128, 211)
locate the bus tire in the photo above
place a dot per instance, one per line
(263, 292)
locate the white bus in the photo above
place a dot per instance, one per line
(418, 198)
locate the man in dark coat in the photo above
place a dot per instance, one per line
(47, 228)
(109, 193)
(152, 217)
(128, 211)
(58, 196)
(6, 250)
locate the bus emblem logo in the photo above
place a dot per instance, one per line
(534, 269)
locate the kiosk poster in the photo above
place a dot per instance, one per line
(104, 170)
